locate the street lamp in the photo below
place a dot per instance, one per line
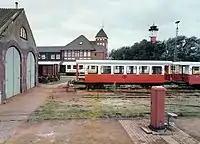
(175, 48)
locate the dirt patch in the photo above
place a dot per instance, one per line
(72, 132)
(190, 126)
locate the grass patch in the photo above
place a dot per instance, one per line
(107, 108)
(96, 108)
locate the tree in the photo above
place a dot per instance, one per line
(188, 49)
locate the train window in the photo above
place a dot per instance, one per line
(74, 66)
(92, 67)
(106, 69)
(118, 69)
(80, 66)
(131, 69)
(195, 70)
(144, 69)
(68, 66)
(156, 70)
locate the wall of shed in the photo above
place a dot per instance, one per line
(12, 39)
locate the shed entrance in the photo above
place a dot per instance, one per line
(12, 72)
(30, 79)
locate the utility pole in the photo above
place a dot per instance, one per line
(175, 48)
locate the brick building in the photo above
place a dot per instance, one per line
(18, 53)
(79, 48)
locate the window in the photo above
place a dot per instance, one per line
(43, 56)
(106, 69)
(88, 53)
(39, 56)
(74, 66)
(76, 54)
(95, 54)
(69, 53)
(144, 69)
(80, 67)
(57, 56)
(92, 67)
(131, 69)
(118, 69)
(72, 54)
(53, 56)
(195, 70)
(68, 66)
(65, 54)
(81, 53)
(156, 70)
(85, 53)
(175, 69)
(23, 33)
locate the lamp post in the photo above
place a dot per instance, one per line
(175, 48)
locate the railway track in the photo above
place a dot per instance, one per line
(141, 93)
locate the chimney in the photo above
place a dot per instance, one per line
(16, 5)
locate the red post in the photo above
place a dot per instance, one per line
(157, 107)
(76, 72)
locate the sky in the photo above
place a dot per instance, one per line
(56, 23)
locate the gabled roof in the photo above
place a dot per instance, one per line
(50, 48)
(80, 43)
(7, 16)
(101, 33)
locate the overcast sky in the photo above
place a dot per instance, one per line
(57, 22)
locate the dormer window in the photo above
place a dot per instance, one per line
(23, 33)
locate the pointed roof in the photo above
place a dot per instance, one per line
(101, 33)
(8, 15)
(80, 43)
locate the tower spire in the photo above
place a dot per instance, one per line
(102, 25)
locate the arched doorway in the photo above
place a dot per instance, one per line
(30, 79)
(12, 72)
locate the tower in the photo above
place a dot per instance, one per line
(102, 39)
(153, 33)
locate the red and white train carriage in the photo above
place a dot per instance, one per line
(123, 72)
(186, 72)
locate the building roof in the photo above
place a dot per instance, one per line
(50, 48)
(7, 16)
(80, 43)
(101, 33)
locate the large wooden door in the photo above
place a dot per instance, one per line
(30, 70)
(12, 72)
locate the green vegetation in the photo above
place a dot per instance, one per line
(111, 108)
(187, 50)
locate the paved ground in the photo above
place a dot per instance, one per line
(190, 125)
(177, 136)
(17, 109)
(71, 132)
